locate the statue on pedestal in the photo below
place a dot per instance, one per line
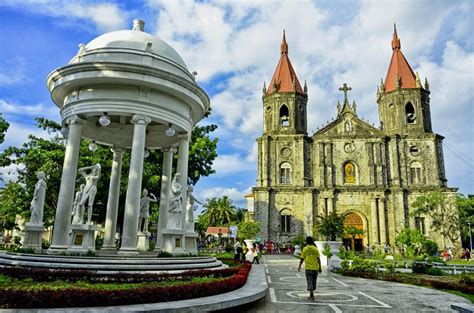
(145, 210)
(90, 189)
(174, 218)
(77, 208)
(37, 204)
(190, 207)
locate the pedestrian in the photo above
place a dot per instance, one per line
(238, 250)
(310, 256)
(255, 255)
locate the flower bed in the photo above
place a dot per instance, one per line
(445, 283)
(18, 297)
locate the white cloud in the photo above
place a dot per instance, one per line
(10, 173)
(219, 192)
(106, 16)
(13, 71)
(17, 134)
(41, 109)
(228, 164)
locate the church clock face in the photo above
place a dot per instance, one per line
(285, 152)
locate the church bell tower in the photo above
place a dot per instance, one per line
(403, 102)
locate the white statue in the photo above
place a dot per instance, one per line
(77, 208)
(90, 189)
(190, 207)
(37, 204)
(145, 210)
(175, 202)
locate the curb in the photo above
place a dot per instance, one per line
(462, 307)
(254, 289)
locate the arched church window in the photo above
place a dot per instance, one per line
(416, 170)
(285, 221)
(284, 116)
(348, 127)
(350, 174)
(285, 173)
(410, 113)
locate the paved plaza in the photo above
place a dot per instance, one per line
(287, 293)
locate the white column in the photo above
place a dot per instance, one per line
(62, 220)
(113, 201)
(132, 202)
(182, 167)
(164, 195)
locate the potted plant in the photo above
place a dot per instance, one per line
(330, 227)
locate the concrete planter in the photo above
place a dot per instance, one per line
(334, 261)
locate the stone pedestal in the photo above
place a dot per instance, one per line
(33, 237)
(82, 238)
(174, 241)
(143, 243)
(190, 243)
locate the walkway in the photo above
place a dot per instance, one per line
(336, 293)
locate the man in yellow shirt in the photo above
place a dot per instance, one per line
(310, 255)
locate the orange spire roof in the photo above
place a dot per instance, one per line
(399, 68)
(284, 79)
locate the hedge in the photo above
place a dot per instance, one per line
(82, 297)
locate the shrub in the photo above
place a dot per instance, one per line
(389, 266)
(345, 265)
(299, 240)
(228, 247)
(434, 271)
(164, 254)
(327, 251)
(466, 278)
(430, 247)
(362, 265)
(330, 227)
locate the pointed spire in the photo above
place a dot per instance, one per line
(399, 74)
(396, 45)
(264, 89)
(284, 79)
(305, 88)
(427, 85)
(284, 45)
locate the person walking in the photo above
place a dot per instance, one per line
(310, 256)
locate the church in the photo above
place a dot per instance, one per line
(369, 175)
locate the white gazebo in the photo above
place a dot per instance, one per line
(131, 91)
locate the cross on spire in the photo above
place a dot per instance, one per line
(345, 89)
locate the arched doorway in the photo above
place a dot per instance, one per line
(354, 220)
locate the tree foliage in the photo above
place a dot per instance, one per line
(3, 128)
(331, 226)
(219, 211)
(47, 155)
(248, 230)
(443, 212)
(466, 214)
(413, 243)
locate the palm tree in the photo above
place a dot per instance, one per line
(211, 211)
(226, 210)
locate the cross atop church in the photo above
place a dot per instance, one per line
(345, 89)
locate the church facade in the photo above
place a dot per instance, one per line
(370, 175)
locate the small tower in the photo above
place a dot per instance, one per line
(403, 103)
(284, 102)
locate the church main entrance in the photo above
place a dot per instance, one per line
(355, 220)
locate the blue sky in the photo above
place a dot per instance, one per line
(234, 47)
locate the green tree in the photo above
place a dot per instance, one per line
(3, 128)
(353, 232)
(413, 243)
(443, 212)
(11, 198)
(239, 216)
(466, 215)
(226, 210)
(330, 227)
(248, 230)
(211, 212)
(38, 154)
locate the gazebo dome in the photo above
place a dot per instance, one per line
(136, 40)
